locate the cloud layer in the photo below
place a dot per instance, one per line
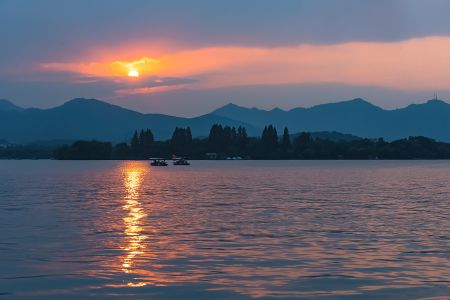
(416, 64)
(78, 47)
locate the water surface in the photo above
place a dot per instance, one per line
(225, 230)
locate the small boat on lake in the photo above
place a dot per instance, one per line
(180, 161)
(158, 162)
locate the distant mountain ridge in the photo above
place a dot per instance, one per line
(357, 117)
(94, 119)
(7, 105)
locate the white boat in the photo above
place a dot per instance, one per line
(180, 161)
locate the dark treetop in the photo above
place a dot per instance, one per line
(225, 142)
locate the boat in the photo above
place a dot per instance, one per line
(158, 162)
(180, 161)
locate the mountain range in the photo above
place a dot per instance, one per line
(357, 117)
(94, 119)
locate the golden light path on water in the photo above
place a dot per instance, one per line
(226, 230)
(133, 174)
(149, 257)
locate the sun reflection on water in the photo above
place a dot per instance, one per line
(133, 175)
(191, 237)
(134, 231)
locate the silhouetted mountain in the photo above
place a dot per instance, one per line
(8, 105)
(357, 117)
(255, 116)
(94, 119)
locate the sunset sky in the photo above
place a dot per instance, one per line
(193, 56)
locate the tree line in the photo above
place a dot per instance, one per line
(225, 142)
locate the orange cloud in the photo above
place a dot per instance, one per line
(105, 69)
(148, 90)
(422, 63)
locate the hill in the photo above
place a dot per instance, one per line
(6, 105)
(94, 119)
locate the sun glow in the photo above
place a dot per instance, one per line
(352, 63)
(133, 73)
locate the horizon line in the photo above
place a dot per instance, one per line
(425, 101)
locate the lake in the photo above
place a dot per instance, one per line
(225, 230)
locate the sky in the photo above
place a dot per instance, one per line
(194, 56)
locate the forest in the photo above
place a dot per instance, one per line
(224, 142)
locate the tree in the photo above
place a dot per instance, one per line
(86, 150)
(242, 139)
(188, 135)
(215, 138)
(146, 143)
(135, 144)
(181, 141)
(303, 145)
(269, 141)
(141, 144)
(229, 141)
(286, 143)
(121, 151)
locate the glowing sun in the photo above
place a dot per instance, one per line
(133, 73)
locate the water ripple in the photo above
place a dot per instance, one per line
(225, 230)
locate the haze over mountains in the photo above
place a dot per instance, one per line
(94, 119)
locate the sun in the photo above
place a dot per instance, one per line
(133, 73)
